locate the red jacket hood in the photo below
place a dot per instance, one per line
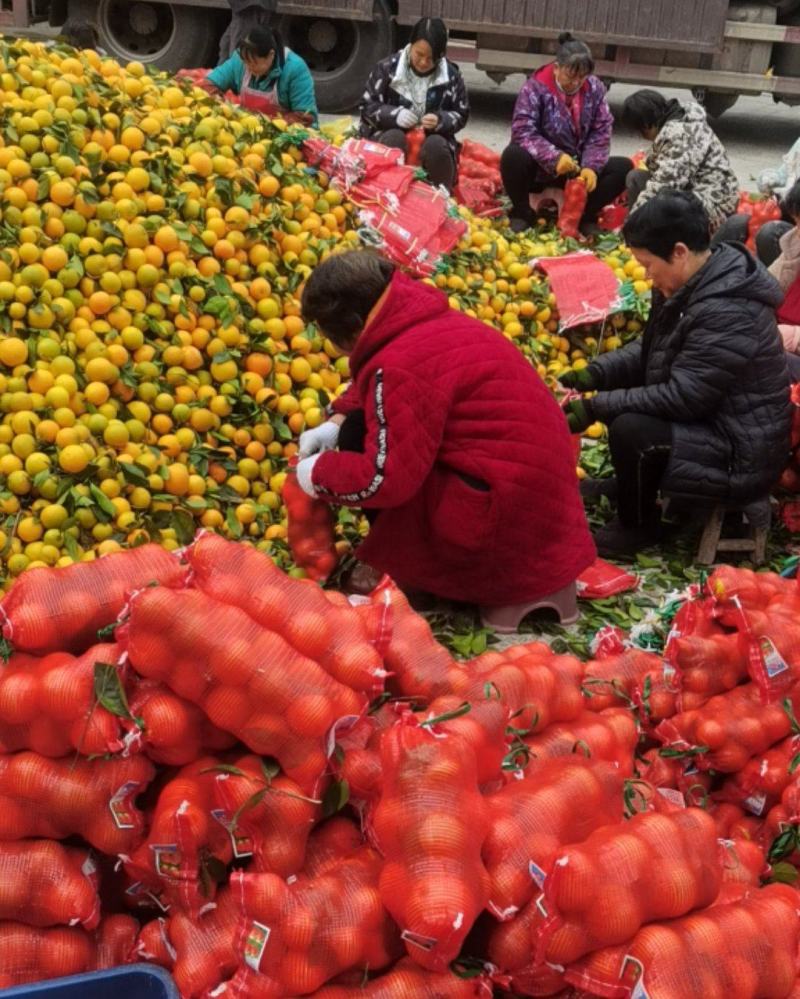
(408, 303)
(546, 75)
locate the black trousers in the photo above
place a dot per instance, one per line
(522, 177)
(640, 448)
(436, 156)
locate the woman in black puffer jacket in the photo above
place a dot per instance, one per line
(699, 407)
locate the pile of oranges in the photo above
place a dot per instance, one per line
(154, 367)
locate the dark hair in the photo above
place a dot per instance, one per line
(259, 42)
(644, 109)
(670, 217)
(341, 292)
(432, 30)
(791, 201)
(574, 54)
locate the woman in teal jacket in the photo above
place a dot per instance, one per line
(266, 76)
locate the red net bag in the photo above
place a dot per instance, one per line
(46, 884)
(510, 947)
(613, 680)
(116, 941)
(267, 816)
(187, 849)
(301, 935)
(729, 729)
(52, 610)
(742, 950)
(56, 799)
(611, 736)
(655, 866)
(563, 801)
(761, 782)
(481, 722)
(408, 981)
(569, 218)
(205, 947)
(674, 773)
(153, 945)
(170, 729)
(331, 842)
(743, 863)
(28, 954)
(335, 636)
(246, 679)
(51, 705)
(356, 757)
(430, 825)
(311, 537)
(736, 590)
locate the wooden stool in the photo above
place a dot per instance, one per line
(755, 525)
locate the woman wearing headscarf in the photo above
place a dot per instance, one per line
(562, 129)
(419, 87)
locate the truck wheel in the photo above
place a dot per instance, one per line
(170, 36)
(716, 104)
(340, 53)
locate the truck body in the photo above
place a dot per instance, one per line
(719, 49)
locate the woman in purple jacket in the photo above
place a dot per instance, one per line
(561, 129)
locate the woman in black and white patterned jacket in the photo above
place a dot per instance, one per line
(419, 87)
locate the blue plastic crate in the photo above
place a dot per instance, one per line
(131, 981)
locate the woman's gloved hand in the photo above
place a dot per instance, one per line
(582, 380)
(566, 165)
(406, 118)
(321, 438)
(589, 177)
(304, 471)
(579, 415)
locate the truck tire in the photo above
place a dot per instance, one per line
(170, 36)
(786, 62)
(340, 53)
(716, 104)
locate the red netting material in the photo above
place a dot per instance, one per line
(614, 680)
(511, 947)
(430, 825)
(246, 679)
(116, 941)
(760, 783)
(610, 735)
(408, 981)
(28, 954)
(43, 883)
(600, 892)
(94, 799)
(205, 951)
(61, 609)
(310, 532)
(562, 801)
(333, 636)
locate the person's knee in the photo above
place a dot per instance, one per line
(436, 147)
(624, 435)
(515, 157)
(394, 137)
(636, 181)
(768, 240)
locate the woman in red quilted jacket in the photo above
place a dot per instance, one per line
(458, 446)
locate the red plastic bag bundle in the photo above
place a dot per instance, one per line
(614, 680)
(312, 541)
(49, 704)
(43, 883)
(709, 658)
(611, 736)
(600, 892)
(61, 609)
(569, 218)
(186, 847)
(743, 950)
(246, 679)
(758, 786)
(31, 954)
(602, 579)
(116, 941)
(298, 936)
(56, 799)
(563, 801)
(408, 981)
(430, 825)
(414, 139)
(268, 817)
(173, 731)
(335, 636)
(729, 729)
(205, 947)
(760, 210)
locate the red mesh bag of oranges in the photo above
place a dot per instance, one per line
(600, 892)
(56, 799)
(30, 954)
(299, 936)
(116, 941)
(611, 735)
(311, 536)
(205, 947)
(511, 949)
(742, 950)
(247, 680)
(562, 801)
(430, 825)
(47, 884)
(614, 680)
(336, 637)
(57, 610)
(758, 786)
(408, 981)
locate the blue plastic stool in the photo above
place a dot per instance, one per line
(131, 981)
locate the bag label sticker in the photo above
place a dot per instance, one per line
(120, 804)
(255, 944)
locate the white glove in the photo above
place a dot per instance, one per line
(321, 438)
(406, 118)
(304, 472)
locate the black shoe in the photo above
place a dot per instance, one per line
(593, 488)
(616, 541)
